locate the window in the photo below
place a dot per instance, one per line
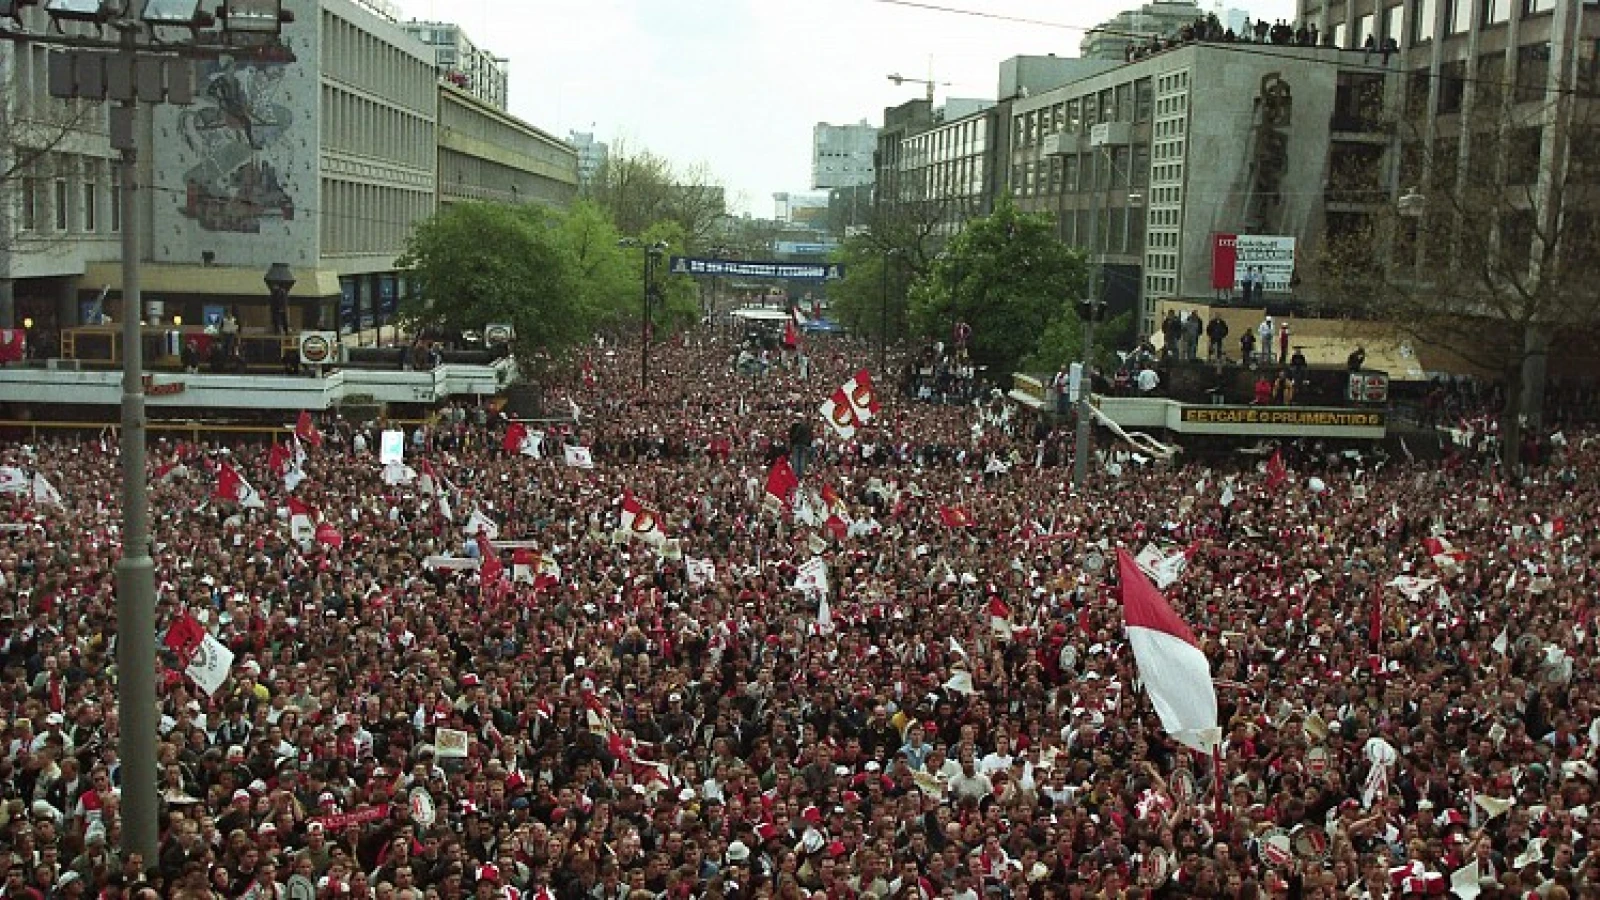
(1141, 100)
(116, 203)
(1496, 11)
(1391, 24)
(1423, 13)
(90, 222)
(62, 198)
(1529, 7)
(1533, 70)
(30, 204)
(1458, 16)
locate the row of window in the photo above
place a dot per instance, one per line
(369, 218)
(71, 204)
(1127, 102)
(469, 121)
(1158, 286)
(961, 139)
(362, 60)
(1424, 20)
(355, 124)
(1125, 167)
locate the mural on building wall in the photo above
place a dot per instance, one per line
(1275, 106)
(237, 173)
(236, 129)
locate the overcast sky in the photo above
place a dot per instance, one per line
(739, 84)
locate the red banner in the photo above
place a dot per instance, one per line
(341, 821)
(1224, 260)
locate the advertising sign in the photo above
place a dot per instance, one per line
(694, 265)
(317, 347)
(1235, 256)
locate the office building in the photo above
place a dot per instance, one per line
(939, 169)
(841, 155)
(464, 64)
(592, 155)
(488, 154)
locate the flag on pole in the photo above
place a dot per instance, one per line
(302, 520)
(519, 439)
(232, 487)
(184, 637)
(839, 414)
(306, 430)
(329, 536)
(1277, 472)
(781, 482)
(481, 526)
(578, 457)
(811, 578)
(210, 664)
(45, 493)
(640, 521)
(863, 399)
(838, 519)
(1174, 670)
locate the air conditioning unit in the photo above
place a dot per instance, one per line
(1112, 134)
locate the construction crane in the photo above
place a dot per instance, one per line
(899, 79)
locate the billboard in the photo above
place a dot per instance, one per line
(1233, 256)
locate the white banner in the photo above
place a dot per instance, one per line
(578, 457)
(701, 571)
(14, 481)
(812, 578)
(210, 665)
(392, 448)
(1267, 257)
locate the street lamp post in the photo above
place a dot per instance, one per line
(1089, 312)
(883, 310)
(152, 71)
(652, 257)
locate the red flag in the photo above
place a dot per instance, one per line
(1175, 672)
(838, 520)
(1277, 473)
(516, 434)
(955, 517)
(298, 507)
(490, 568)
(329, 536)
(791, 335)
(13, 344)
(232, 487)
(781, 483)
(863, 398)
(306, 430)
(184, 637)
(1377, 618)
(279, 459)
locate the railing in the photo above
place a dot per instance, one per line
(100, 346)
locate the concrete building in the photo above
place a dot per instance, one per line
(592, 154)
(841, 155)
(321, 158)
(1024, 76)
(941, 169)
(464, 64)
(1160, 18)
(1147, 164)
(487, 154)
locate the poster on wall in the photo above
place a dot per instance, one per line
(239, 167)
(347, 305)
(387, 295)
(1237, 256)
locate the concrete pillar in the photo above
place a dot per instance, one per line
(8, 303)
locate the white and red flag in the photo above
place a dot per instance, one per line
(1172, 666)
(640, 521)
(838, 412)
(838, 518)
(862, 396)
(782, 483)
(232, 487)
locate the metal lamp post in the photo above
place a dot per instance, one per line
(883, 311)
(138, 66)
(1089, 311)
(652, 256)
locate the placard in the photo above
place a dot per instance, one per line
(392, 448)
(450, 743)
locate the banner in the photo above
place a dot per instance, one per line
(578, 457)
(695, 265)
(812, 577)
(450, 743)
(1234, 256)
(340, 821)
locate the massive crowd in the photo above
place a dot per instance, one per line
(1403, 653)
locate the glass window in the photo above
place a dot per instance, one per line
(1422, 16)
(62, 198)
(1496, 11)
(1142, 95)
(1073, 115)
(1391, 24)
(1124, 102)
(1537, 6)
(1459, 17)
(30, 204)
(89, 210)
(1533, 70)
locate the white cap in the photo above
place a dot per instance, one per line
(738, 852)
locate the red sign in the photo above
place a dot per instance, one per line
(341, 821)
(1224, 260)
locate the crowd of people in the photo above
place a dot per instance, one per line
(1403, 654)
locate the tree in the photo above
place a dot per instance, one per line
(608, 281)
(1009, 277)
(477, 263)
(1491, 254)
(640, 189)
(903, 239)
(1062, 343)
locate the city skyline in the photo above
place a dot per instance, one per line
(740, 84)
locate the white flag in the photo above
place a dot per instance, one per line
(578, 457)
(812, 578)
(701, 571)
(302, 529)
(391, 447)
(824, 616)
(210, 665)
(479, 522)
(393, 473)
(1227, 495)
(13, 480)
(1502, 644)
(45, 493)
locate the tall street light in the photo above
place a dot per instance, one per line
(652, 257)
(1089, 311)
(142, 64)
(883, 310)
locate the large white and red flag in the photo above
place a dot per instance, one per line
(863, 398)
(782, 483)
(1174, 670)
(232, 487)
(838, 412)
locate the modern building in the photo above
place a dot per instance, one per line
(841, 155)
(488, 154)
(1152, 163)
(1024, 76)
(464, 64)
(1158, 19)
(592, 154)
(939, 165)
(321, 158)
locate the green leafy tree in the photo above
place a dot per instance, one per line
(608, 281)
(1062, 343)
(477, 263)
(1009, 277)
(874, 283)
(677, 298)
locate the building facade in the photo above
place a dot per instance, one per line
(486, 154)
(937, 167)
(592, 155)
(1148, 163)
(841, 155)
(463, 64)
